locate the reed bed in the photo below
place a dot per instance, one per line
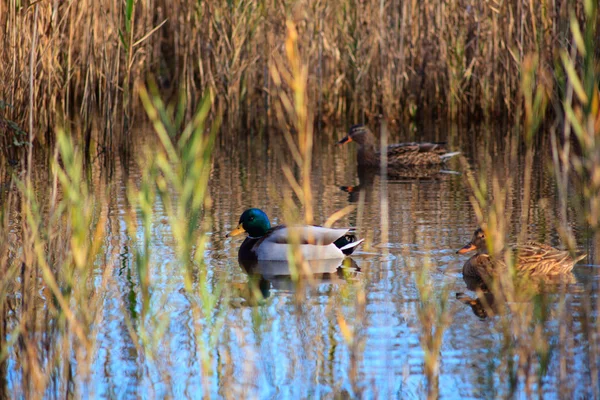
(77, 63)
(90, 67)
(525, 309)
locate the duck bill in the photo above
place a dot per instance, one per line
(467, 248)
(345, 140)
(237, 231)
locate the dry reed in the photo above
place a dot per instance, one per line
(77, 62)
(268, 64)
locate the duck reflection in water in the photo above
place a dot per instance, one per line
(484, 303)
(491, 299)
(368, 178)
(264, 276)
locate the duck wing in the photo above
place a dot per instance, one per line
(418, 153)
(424, 147)
(304, 235)
(315, 243)
(542, 259)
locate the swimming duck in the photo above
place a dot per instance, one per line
(532, 258)
(266, 243)
(401, 154)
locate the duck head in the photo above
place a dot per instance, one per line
(477, 243)
(359, 134)
(253, 221)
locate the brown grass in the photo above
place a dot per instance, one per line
(333, 61)
(366, 59)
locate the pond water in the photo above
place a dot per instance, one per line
(349, 331)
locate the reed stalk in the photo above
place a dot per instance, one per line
(370, 59)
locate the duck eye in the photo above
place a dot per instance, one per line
(251, 219)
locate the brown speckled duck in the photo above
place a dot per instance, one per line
(401, 154)
(532, 258)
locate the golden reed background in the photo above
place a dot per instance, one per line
(396, 59)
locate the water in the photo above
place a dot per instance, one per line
(275, 338)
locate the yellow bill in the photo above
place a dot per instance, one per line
(237, 231)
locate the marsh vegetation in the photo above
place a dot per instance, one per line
(134, 133)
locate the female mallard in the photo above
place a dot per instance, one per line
(266, 243)
(401, 154)
(534, 259)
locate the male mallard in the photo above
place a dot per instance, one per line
(266, 243)
(401, 154)
(534, 259)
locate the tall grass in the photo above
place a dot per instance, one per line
(525, 306)
(82, 65)
(581, 105)
(73, 62)
(177, 177)
(434, 315)
(57, 270)
(59, 240)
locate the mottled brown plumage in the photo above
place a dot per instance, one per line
(531, 258)
(401, 154)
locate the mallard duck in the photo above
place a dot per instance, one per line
(401, 154)
(266, 243)
(532, 258)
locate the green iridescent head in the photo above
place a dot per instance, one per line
(253, 221)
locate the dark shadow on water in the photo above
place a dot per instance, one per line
(403, 174)
(490, 300)
(264, 276)
(484, 303)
